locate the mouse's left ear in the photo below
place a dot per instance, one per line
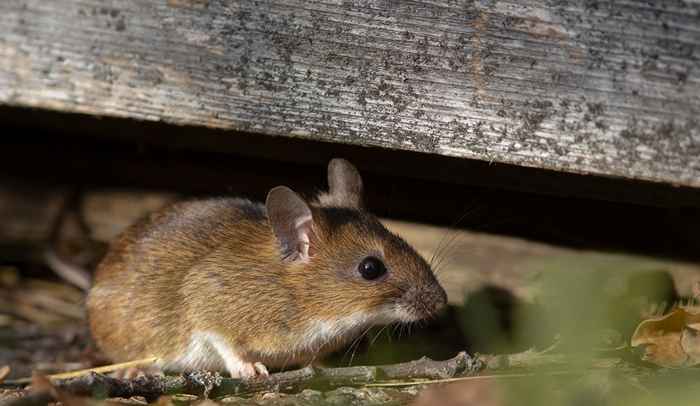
(291, 221)
(344, 185)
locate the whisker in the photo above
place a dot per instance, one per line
(445, 254)
(377, 336)
(347, 350)
(352, 357)
(355, 345)
(436, 253)
(356, 342)
(396, 328)
(448, 238)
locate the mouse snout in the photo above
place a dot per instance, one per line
(440, 298)
(426, 301)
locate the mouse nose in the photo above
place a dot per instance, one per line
(434, 300)
(428, 300)
(440, 298)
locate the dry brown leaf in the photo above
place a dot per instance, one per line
(672, 340)
(460, 393)
(41, 383)
(4, 372)
(164, 401)
(690, 341)
(207, 402)
(696, 290)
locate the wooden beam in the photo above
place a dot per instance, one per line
(596, 88)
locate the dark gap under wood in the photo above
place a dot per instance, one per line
(83, 152)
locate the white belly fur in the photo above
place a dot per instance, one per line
(210, 351)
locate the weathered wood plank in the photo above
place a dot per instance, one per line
(608, 88)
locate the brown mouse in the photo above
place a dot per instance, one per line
(230, 285)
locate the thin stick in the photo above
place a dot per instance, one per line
(81, 372)
(469, 378)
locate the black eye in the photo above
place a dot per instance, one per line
(371, 268)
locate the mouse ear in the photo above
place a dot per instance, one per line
(291, 221)
(344, 185)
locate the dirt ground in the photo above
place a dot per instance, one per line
(496, 286)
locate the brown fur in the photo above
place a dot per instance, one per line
(214, 265)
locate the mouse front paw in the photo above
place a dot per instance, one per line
(248, 370)
(261, 369)
(137, 372)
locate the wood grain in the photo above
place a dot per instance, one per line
(606, 88)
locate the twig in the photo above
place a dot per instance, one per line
(325, 378)
(535, 359)
(469, 378)
(46, 302)
(525, 359)
(32, 399)
(69, 272)
(427, 368)
(81, 372)
(208, 384)
(422, 371)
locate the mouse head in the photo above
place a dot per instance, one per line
(344, 260)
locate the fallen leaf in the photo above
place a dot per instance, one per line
(482, 393)
(690, 342)
(40, 383)
(672, 340)
(696, 290)
(164, 401)
(4, 372)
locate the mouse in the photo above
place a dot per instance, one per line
(240, 287)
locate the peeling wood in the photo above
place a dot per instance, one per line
(611, 89)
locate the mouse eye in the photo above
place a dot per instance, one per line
(371, 268)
